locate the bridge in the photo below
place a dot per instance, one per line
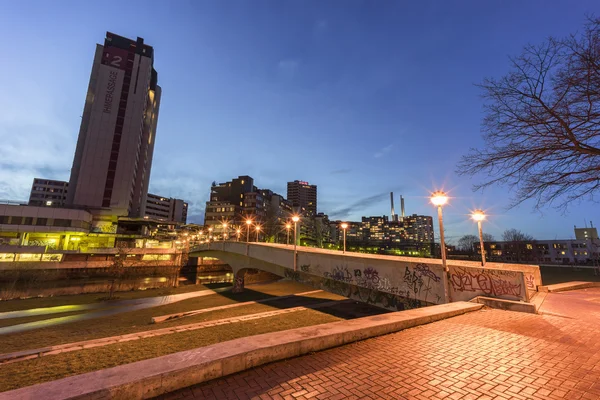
(394, 283)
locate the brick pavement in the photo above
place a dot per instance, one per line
(489, 354)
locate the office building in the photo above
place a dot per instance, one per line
(166, 208)
(226, 202)
(48, 193)
(303, 197)
(113, 157)
(586, 233)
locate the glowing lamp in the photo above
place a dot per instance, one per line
(478, 215)
(439, 198)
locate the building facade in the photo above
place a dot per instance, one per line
(166, 208)
(303, 197)
(113, 157)
(48, 193)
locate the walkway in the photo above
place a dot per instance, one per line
(106, 309)
(489, 354)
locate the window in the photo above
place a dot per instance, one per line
(62, 222)
(41, 221)
(3, 219)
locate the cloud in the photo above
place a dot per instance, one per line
(384, 151)
(359, 205)
(340, 171)
(288, 67)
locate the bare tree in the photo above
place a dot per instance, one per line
(466, 242)
(542, 123)
(515, 235)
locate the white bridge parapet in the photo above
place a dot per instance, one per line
(421, 281)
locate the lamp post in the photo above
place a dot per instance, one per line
(257, 232)
(288, 226)
(248, 223)
(238, 231)
(438, 199)
(344, 227)
(209, 235)
(295, 218)
(479, 215)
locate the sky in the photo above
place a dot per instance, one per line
(358, 97)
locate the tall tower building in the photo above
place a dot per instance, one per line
(303, 197)
(111, 167)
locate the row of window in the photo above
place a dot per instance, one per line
(66, 223)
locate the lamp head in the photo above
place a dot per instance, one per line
(248, 222)
(344, 225)
(478, 215)
(257, 228)
(288, 226)
(295, 218)
(439, 198)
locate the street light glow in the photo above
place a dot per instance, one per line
(478, 215)
(344, 225)
(439, 198)
(257, 228)
(295, 218)
(248, 222)
(288, 226)
(224, 224)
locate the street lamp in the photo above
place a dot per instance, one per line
(257, 231)
(438, 199)
(295, 218)
(248, 223)
(209, 235)
(479, 215)
(238, 231)
(288, 226)
(344, 227)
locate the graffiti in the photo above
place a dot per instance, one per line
(486, 281)
(530, 282)
(305, 268)
(238, 284)
(357, 273)
(413, 280)
(339, 274)
(292, 275)
(423, 271)
(370, 278)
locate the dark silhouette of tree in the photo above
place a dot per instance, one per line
(515, 235)
(542, 123)
(467, 242)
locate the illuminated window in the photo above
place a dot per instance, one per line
(48, 203)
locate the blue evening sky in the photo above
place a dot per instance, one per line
(357, 97)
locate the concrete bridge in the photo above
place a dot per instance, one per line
(391, 282)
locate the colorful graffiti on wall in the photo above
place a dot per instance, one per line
(486, 282)
(411, 287)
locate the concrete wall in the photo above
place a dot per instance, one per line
(467, 283)
(388, 281)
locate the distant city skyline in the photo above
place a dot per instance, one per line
(359, 100)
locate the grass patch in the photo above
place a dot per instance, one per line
(20, 374)
(87, 298)
(554, 275)
(137, 321)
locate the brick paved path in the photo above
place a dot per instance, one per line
(489, 354)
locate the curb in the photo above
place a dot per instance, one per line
(563, 287)
(507, 305)
(153, 377)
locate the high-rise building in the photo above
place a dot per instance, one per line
(166, 208)
(48, 193)
(227, 201)
(113, 157)
(303, 197)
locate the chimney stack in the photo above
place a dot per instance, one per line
(402, 205)
(392, 201)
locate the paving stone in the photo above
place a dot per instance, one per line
(484, 355)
